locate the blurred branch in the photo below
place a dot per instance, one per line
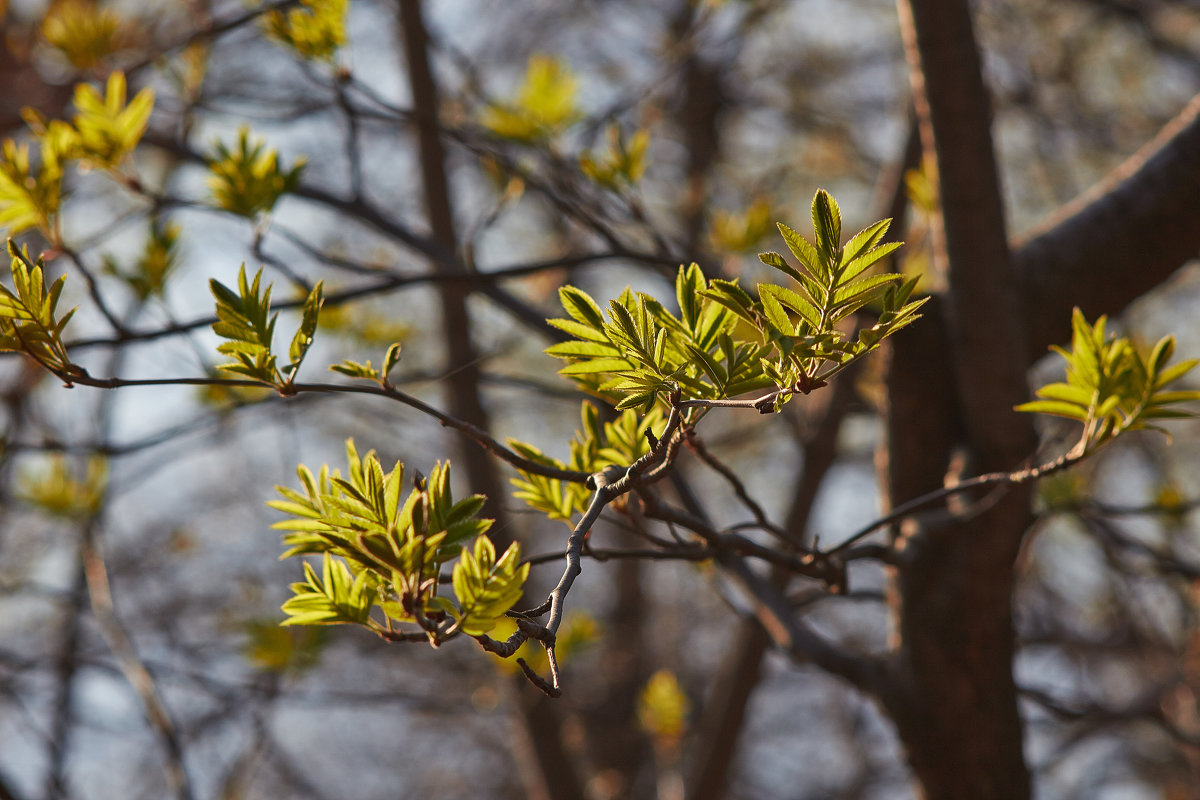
(66, 669)
(795, 639)
(478, 434)
(1142, 215)
(131, 665)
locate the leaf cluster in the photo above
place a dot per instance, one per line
(248, 179)
(663, 707)
(739, 233)
(724, 342)
(1110, 387)
(244, 318)
(105, 131)
(486, 588)
(316, 30)
(273, 648)
(56, 489)
(380, 552)
(29, 321)
(594, 447)
(835, 281)
(642, 350)
(544, 106)
(29, 197)
(85, 33)
(107, 128)
(354, 369)
(623, 164)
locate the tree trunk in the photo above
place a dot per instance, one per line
(951, 691)
(555, 772)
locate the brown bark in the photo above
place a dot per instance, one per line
(463, 396)
(984, 318)
(617, 747)
(950, 690)
(951, 693)
(462, 382)
(701, 106)
(1119, 239)
(23, 86)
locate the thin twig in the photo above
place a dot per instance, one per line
(697, 446)
(480, 436)
(929, 498)
(793, 637)
(607, 485)
(131, 665)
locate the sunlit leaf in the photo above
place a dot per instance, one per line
(248, 180)
(543, 107)
(316, 30)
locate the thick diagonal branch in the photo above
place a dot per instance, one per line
(1119, 239)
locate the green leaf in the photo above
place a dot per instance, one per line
(29, 321)
(775, 313)
(308, 326)
(158, 260)
(353, 369)
(1067, 394)
(708, 365)
(868, 259)
(623, 164)
(689, 283)
(1165, 398)
(733, 297)
(1174, 372)
(108, 130)
(29, 197)
(794, 301)
(334, 598)
(1109, 386)
(594, 366)
(579, 349)
(579, 330)
(864, 240)
(544, 106)
(315, 30)
(360, 519)
(391, 359)
(809, 258)
(248, 180)
(555, 498)
(642, 401)
(855, 295)
(827, 225)
(777, 261)
(486, 588)
(1055, 407)
(581, 307)
(245, 318)
(1166, 413)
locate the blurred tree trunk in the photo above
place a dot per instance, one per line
(953, 381)
(554, 768)
(951, 390)
(22, 85)
(698, 117)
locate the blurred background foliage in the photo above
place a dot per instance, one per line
(601, 143)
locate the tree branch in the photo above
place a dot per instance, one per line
(1119, 239)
